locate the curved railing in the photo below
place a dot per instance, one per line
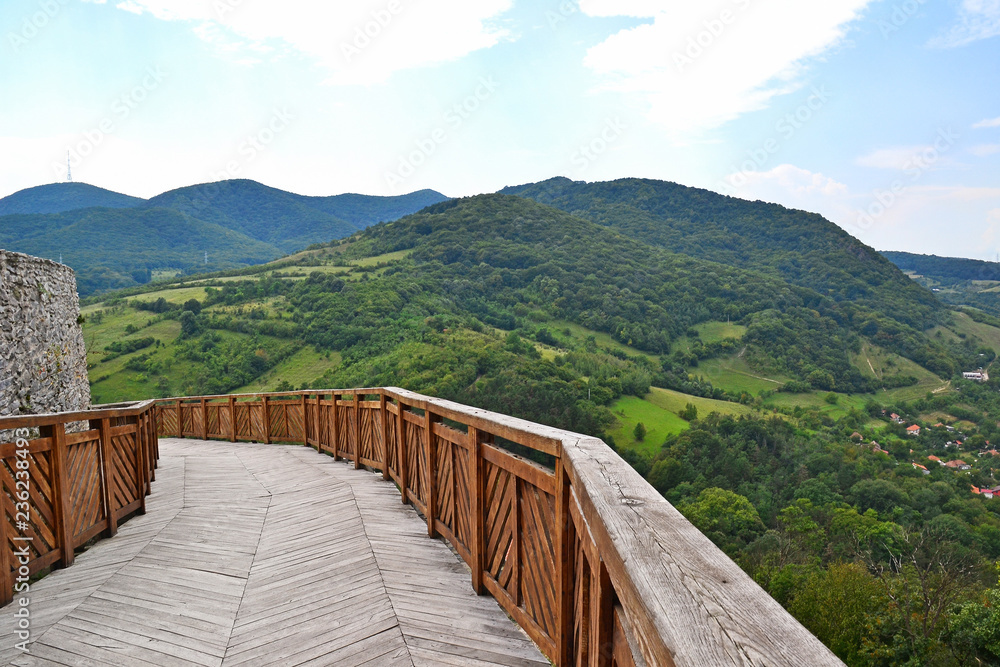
(588, 558)
(64, 487)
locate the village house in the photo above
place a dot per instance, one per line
(958, 464)
(913, 430)
(921, 468)
(978, 376)
(935, 459)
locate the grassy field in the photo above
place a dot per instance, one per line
(659, 423)
(176, 295)
(817, 401)
(712, 332)
(733, 374)
(304, 366)
(990, 336)
(578, 334)
(658, 413)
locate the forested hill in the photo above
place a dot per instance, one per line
(955, 268)
(62, 197)
(114, 241)
(496, 250)
(804, 248)
(286, 220)
(112, 248)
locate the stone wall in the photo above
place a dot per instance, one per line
(43, 363)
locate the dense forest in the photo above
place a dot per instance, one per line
(784, 400)
(114, 241)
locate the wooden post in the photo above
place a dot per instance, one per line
(357, 431)
(61, 504)
(106, 444)
(204, 420)
(180, 420)
(565, 565)
(430, 502)
(336, 429)
(401, 452)
(320, 423)
(477, 482)
(305, 422)
(140, 461)
(232, 419)
(267, 420)
(384, 423)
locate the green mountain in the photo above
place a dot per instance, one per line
(237, 223)
(364, 210)
(803, 248)
(286, 220)
(61, 197)
(118, 247)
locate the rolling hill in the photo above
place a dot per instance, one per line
(956, 281)
(803, 248)
(115, 241)
(62, 197)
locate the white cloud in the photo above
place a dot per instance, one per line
(984, 150)
(988, 122)
(699, 65)
(892, 158)
(357, 42)
(795, 181)
(977, 19)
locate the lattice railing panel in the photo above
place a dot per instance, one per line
(83, 468)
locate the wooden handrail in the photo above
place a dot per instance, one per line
(586, 556)
(63, 489)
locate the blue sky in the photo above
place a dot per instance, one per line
(883, 116)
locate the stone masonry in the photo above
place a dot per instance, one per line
(43, 363)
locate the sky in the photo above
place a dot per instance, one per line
(881, 115)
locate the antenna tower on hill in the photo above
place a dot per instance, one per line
(69, 169)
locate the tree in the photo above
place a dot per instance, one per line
(193, 305)
(727, 518)
(974, 630)
(689, 413)
(640, 432)
(189, 324)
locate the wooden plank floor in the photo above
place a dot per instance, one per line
(266, 555)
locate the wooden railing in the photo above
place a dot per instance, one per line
(61, 490)
(588, 558)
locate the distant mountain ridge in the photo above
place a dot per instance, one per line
(62, 197)
(108, 239)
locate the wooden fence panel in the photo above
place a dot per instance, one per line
(83, 459)
(56, 493)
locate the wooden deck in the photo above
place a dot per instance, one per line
(265, 555)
